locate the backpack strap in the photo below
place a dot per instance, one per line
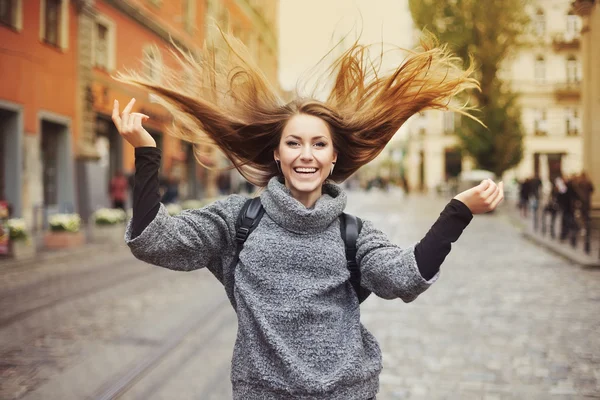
(248, 219)
(350, 227)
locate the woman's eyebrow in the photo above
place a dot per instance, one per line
(299, 138)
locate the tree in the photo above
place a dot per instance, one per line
(487, 33)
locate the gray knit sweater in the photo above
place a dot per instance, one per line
(299, 332)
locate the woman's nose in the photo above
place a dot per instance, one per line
(307, 153)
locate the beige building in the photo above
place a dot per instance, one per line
(589, 10)
(255, 23)
(547, 74)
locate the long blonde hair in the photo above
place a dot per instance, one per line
(226, 102)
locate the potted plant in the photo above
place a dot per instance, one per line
(109, 225)
(64, 231)
(21, 245)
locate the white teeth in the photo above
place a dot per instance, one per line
(306, 170)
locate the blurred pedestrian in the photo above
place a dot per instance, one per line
(535, 188)
(118, 190)
(171, 191)
(524, 197)
(566, 197)
(585, 189)
(299, 331)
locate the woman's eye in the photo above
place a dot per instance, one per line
(321, 144)
(292, 143)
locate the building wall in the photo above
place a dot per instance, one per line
(37, 75)
(65, 86)
(254, 22)
(590, 12)
(553, 94)
(38, 81)
(547, 75)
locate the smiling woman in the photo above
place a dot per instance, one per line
(295, 285)
(306, 157)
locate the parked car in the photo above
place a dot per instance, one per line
(468, 179)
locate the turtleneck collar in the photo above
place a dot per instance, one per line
(292, 215)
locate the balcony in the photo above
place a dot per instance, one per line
(583, 8)
(565, 41)
(567, 91)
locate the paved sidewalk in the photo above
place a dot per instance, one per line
(506, 319)
(561, 248)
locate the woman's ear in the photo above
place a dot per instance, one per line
(334, 157)
(276, 155)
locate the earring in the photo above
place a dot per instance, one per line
(332, 167)
(278, 166)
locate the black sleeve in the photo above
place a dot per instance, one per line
(146, 195)
(431, 251)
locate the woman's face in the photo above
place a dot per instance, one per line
(306, 156)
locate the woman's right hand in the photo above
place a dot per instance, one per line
(130, 126)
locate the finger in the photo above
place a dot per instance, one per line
(137, 122)
(131, 122)
(483, 186)
(500, 195)
(125, 114)
(489, 191)
(129, 106)
(143, 115)
(493, 197)
(115, 115)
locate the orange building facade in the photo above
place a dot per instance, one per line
(59, 146)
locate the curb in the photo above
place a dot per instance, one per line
(577, 256)
(46, 256)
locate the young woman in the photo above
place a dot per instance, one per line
(299, 332)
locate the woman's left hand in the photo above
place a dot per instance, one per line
(482, 198)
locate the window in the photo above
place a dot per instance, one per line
(10, 13)
(104, 43)
(422, 123)
(152, 61)
(540, 125)
(539, 23)
(449, 123)
(189, 15)
(101, 49)
(209, 7)
(54, 23)
(573, 26)
(572, 121)
(572, 70)
(224, 18)
(540, 69)
(52, 17)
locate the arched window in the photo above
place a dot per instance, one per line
(573, 26)
(539, 23)
(572, 69)
(540, 69)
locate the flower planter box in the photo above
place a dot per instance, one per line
(22, 249)
(63, 240)
(109, 233)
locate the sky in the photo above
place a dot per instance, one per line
(307, 29)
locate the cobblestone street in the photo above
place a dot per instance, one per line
(506, 320)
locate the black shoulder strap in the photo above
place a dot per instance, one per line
(350, 227)
(247, 221)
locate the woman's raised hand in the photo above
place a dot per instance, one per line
(130, 126)
(483, 197)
